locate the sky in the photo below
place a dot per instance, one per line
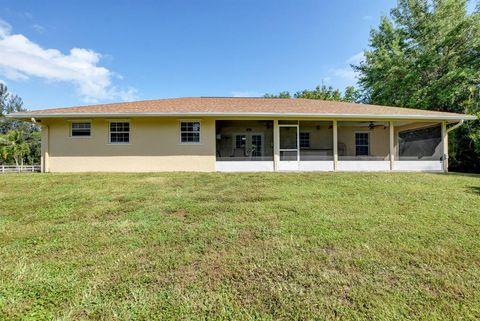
(69, 53)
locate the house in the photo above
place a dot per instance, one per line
(242, 134)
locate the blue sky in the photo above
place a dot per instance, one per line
(66, 53)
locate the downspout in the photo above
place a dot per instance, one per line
(46, 155)
(33, 120)
(445, 132)
(455, 126)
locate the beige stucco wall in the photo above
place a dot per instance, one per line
(321, 134)
(154, 146)
(379, 139)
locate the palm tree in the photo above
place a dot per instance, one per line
(14, 145)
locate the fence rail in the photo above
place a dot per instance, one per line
(6, 169)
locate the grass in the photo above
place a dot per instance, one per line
(239, 246)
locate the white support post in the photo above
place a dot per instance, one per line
(445, 146)
(276, 145)
(335, 146)
(392, 146)
(298, 142)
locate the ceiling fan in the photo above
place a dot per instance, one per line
(372, 126)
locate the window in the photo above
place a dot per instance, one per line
(190, 132)
(119, 132)
(361, 144)
(240, 141)
(80, 129)
(257, 145)
(304, 140)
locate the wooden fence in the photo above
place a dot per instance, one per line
(6, 169)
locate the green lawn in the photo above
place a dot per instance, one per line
(239, 246)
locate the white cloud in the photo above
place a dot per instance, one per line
(356, 58)
(38, 28)
(21, 58)
(5, 28)
(346, 73)
(12, 74)
(245, 94)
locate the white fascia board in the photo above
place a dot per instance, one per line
(228, 114)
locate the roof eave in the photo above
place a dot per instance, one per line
(228, 114)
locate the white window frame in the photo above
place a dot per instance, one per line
(297, 150)
(234, 140)
(369, 142)
(180, 121)
(71, 121)
(248, 140)
(262, 151)
(110, 132)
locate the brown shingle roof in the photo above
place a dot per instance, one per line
(213, 106)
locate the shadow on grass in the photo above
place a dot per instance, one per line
(457, 174)
(474, 189)
(464, 174)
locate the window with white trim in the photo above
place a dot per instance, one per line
(80, 129)
(362, 143)
(304, 140)
(119, 132)
(190, 132)
(240, 141)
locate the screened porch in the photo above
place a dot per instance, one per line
(328, 145)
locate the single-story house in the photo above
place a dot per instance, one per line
(242, 134)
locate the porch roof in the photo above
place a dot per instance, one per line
(241, 107)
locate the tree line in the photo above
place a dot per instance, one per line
(425, 54)
(19, 140)
(322, 93)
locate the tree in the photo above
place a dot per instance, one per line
(329, 93)
(351, 95)
(427, 55)
(14, 145)
(321, 93)
(10, 104)
(15, 133)
(282, 94)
